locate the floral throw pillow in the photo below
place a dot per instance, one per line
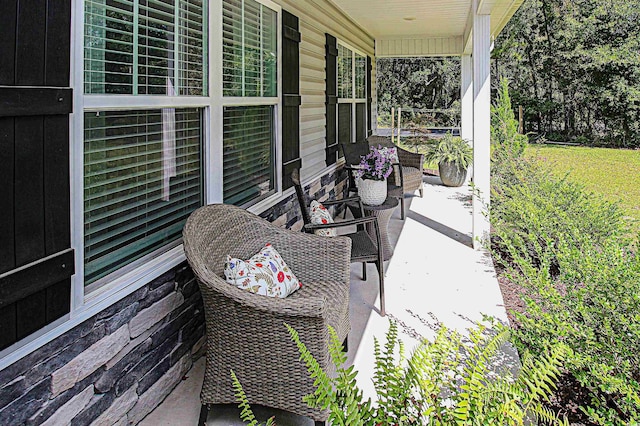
(266, 273)
(320, 216)
(391, 154)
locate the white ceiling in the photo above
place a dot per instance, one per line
(433, 18)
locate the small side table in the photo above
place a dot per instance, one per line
(383, 212)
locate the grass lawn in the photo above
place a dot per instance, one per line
(614, 173)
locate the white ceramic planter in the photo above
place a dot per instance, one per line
(372, 192)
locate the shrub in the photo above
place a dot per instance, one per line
(504, 126)
(566, 248)
(443, 382)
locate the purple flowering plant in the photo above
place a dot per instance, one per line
(376, 165)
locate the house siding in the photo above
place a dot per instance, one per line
(117, 366)
(316, 19)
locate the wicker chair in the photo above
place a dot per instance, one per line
(364, 248)
(412, 164)
(352, 154)
(245, 331)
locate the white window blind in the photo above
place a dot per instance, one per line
(249, 152)
(345, 72)
(149, 47)
(249, 49)
(142, 178)
(360, 76)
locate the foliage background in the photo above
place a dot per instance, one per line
(574, 65)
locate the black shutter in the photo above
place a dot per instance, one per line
(291, 99)
(369, 99)
(36, 261)
(332, 98)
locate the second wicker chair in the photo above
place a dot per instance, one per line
(364, 248)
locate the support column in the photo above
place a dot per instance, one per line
(481, 125)
(466, 97)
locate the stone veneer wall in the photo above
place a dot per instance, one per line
(287, 213)
(115, 367)
(119, 365)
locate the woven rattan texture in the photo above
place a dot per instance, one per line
(246, 332)
(412, 163)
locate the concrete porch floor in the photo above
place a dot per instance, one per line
(434, 275)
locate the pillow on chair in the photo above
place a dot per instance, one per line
(392, 153)
(266, 273)
(321, 216)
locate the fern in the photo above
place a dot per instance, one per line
(246, 414)
(445, 382)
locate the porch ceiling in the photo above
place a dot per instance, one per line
(446, 21)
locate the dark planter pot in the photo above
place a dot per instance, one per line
(451, 174)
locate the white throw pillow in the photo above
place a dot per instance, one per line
(391, 153)
(266, 273)
(321, 216)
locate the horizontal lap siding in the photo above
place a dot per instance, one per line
(316, 19)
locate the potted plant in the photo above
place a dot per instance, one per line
(453, 155)
(371, 176)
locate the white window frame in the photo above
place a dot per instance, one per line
(219, 101)
(137, 276)
(353, 100)
(85, 306)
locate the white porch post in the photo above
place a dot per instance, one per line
(466, 95)
(481, 125)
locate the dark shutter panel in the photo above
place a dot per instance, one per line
(332, 98)
(291, 99)
(369, 99)
(36, 260)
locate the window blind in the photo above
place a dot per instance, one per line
(142, 178)
(249, 152)
(361, 76)
(145, 47)
(345, 72)
(249, 49)
(344, 123)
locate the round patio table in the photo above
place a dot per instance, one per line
(383, 212)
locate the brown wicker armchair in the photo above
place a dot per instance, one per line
(245, 331)
(412, 164)
(352, 155)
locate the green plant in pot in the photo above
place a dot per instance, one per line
(453, 155)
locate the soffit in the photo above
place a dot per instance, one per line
(385, 19)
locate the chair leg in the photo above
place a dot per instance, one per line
(320, 423)
(421, 192)
(402, 214)
(364, 271)
(345, 344)
(204, 412)
(380, 266)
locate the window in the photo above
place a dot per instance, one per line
(142, 163)
(352, 102)
(153, 47)
(250, 99)
(142, 178)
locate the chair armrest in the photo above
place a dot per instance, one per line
(341, 201)
(411, 159)
(309, 306)
(343, 223)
